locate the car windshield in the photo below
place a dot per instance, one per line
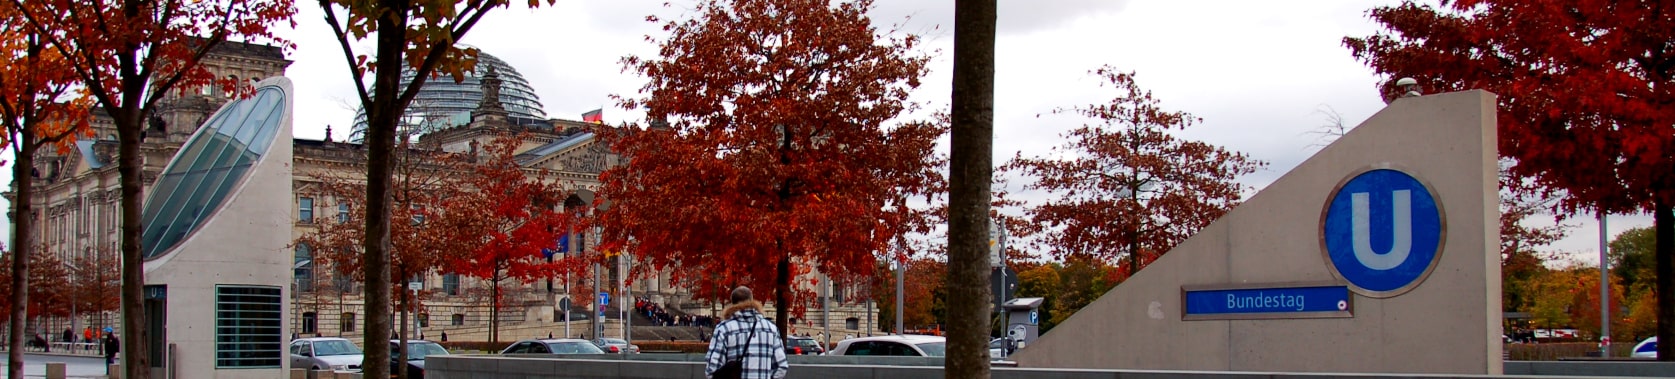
(934, 349)
(802, 342)
(1649, 347)
(614, 341)
(335, 347)
(574, 348)
(417, 351)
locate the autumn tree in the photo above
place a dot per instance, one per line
(420, 36)
(773, 151)
(38, 110)
(127, 55)
(1583, 92)
(96, 283)
(425, 177)
(1125, 188)
(505, 219)
(1631, 259)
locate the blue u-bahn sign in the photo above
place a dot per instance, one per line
(1382, 232)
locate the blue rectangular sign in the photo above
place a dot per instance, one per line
(1277, 302)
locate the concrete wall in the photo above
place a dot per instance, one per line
(1450, 323)
(246, 242)
(678, 366)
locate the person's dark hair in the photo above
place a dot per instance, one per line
(741, 294)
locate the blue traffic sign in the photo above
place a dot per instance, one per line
(1383, 232)
(1286, 302)
(1034, 317)
(604, 299)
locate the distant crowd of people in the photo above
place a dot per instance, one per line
(652, 311)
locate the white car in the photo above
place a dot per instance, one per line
(1646, 349)
(323, 353)
(893, 345)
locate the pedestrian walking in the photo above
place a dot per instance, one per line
(112, 346)
(746, 344)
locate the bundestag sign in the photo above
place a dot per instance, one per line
(1381, 233)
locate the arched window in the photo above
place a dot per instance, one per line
(302, 268)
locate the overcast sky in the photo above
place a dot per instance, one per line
(1258, 73)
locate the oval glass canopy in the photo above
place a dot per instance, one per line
(208, 168)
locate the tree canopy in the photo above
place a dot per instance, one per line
(1124, 187)
(774, 149)
(1583, 86)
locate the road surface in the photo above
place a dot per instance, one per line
(35, 365)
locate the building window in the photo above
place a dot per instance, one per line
(302, 268)
(852, 323)
(305, 210)
(450, 284)
(457, 319)
(342, 213)
(248, 333)
(424, 320)
(310, 323)
(348, 321)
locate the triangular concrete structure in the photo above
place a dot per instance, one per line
(1448, 322)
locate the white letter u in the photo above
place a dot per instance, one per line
(1402, 223)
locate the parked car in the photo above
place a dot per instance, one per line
(803, 346)
(616, 346)
(895, 345)
(417, 350)
(323, 353)
(1646, 349)
(999, 348)
(563, 346)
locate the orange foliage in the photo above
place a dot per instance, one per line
(773, 151)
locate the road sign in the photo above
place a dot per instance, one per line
(1383, 232)
(1035, 317)
(604, 299)
(564, 305)
(997, 244)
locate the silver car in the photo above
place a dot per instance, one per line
(323, 353)
(616, 346)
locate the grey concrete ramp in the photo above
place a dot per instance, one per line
(1445, 320)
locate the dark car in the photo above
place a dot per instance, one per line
(803, 346)
(417, 350)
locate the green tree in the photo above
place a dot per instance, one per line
(1042, 281)
(1082, 281)
(1631, 259)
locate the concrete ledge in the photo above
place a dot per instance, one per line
(634, 367)
(1611, 368)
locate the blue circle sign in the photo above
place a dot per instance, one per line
(1382, 232)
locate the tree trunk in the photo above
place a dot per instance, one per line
(494, 306)
(970, 175)
(22, 219)
(782, 294)
(1664, 223)
(382, 117)
(401, 356)
(136, 351)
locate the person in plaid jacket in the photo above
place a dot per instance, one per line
(767, 351)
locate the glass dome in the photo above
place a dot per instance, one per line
(208, 167)
(441, 103)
